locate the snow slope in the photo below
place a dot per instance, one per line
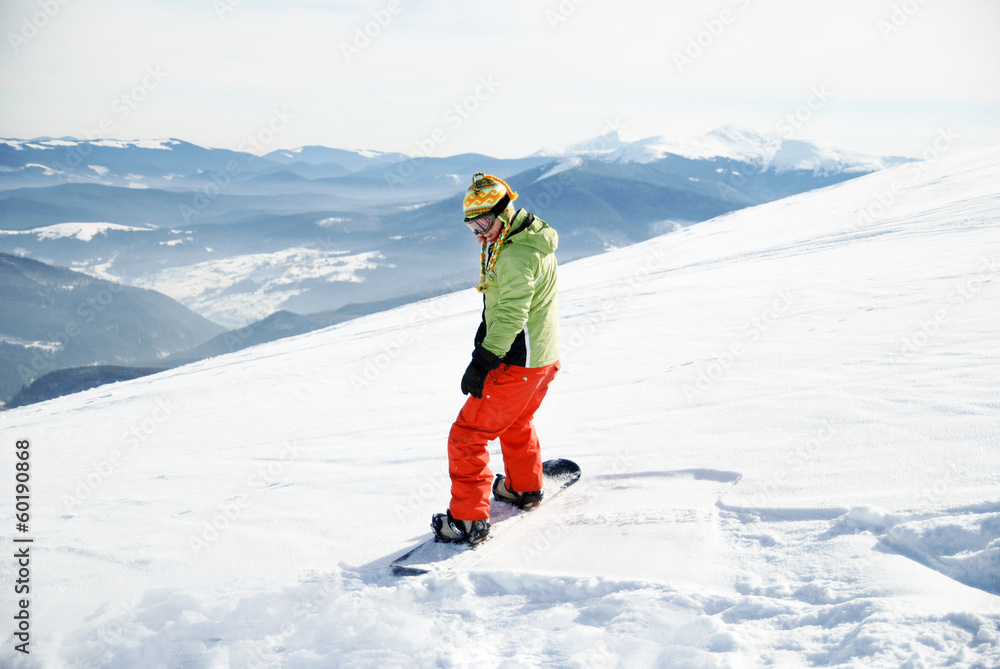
(787, 419)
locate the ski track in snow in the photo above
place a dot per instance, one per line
(786, 418)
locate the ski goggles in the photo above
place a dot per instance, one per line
(480, 225)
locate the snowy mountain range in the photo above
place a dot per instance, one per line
(144, 211)
(173, 164)
(765, 151)
(237, 237)
(787, 423)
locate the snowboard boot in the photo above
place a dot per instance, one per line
(449, 530)
(522, 500)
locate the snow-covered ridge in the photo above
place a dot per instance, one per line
(43, 144)
(82, 231)
(363, 153)
(763, 150)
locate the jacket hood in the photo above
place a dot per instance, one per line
(538, 235)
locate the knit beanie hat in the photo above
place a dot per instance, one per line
(487, 195)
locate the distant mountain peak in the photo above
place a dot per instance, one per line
(729, 141)
(733, 142)
(739, 134)
(367, 153)
(351, 159)
(604, 144)
(597, 146)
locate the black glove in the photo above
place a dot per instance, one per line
(483, 362)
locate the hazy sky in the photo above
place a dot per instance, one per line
(442, 77)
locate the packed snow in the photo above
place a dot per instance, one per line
(787, 420)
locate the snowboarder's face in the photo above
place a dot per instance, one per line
(487, 228)
(480, 225)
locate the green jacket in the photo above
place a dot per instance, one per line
(520, 314)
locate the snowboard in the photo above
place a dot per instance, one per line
(431, 555)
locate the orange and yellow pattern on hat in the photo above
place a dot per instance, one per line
(484, 194)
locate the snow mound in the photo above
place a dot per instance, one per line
(965, 548)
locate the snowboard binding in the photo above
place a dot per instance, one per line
(449, 530)
(522, 500)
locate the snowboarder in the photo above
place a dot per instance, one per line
(516, 357)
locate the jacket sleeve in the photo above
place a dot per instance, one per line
(516, 283)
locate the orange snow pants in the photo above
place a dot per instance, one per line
(511, 395)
